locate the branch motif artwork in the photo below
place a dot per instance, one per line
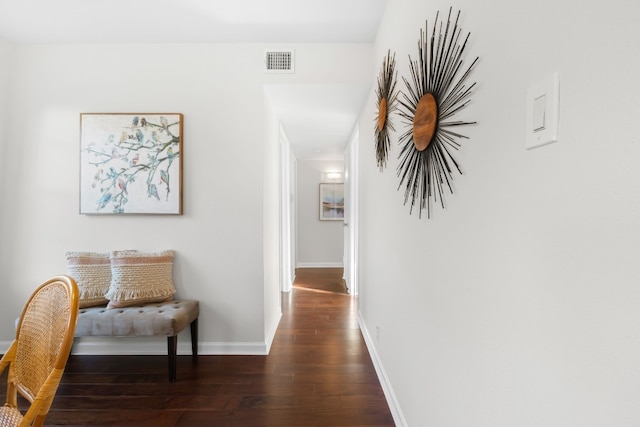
(387, 95)
(131, 163)
(437, 92)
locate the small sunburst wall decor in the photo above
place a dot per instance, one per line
(387, 97)
(437, 91)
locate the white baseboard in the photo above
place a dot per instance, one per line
(320, 265)
(115, 346)
(234, 348)
(392, 401)
(111, 346)
(158, 346)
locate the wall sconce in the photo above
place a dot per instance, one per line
(332, 177)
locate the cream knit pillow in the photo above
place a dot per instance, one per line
(139, 278)
(92, 272)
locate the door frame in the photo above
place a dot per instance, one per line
(351, 214)
(288, 228)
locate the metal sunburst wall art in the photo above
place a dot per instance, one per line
(437, 91)
(387, 97)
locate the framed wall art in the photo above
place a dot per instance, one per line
(332, 202)
(131, 163)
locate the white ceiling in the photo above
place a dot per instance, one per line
(318, 119)
(190, 21)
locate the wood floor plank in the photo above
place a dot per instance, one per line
(318, 373)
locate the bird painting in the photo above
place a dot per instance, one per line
(130, 158)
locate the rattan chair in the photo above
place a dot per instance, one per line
(37, 357)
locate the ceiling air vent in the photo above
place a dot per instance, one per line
(280, 61)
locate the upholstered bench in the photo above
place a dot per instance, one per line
(152, 319)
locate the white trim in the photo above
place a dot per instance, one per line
(320, 265)
(351, 214)
(272, 333)
(234, 348)
(287, 213)
(158, 346)
(392, 400)
(125, 345)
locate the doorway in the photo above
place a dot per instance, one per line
(289, 210)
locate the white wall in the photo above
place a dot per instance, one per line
(517, 305)
(271, 162)
(220, 240)
(320, 243)
(6, 52)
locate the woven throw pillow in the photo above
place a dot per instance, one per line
(139, 278)
(92, 272)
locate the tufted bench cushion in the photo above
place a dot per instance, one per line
(160, 318)
(152, 319)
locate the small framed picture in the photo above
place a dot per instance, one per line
(332, 202)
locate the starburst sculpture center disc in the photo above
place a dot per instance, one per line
(382, 113)
(425, 121)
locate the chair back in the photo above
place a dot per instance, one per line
(43, 342)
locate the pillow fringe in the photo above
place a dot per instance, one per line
(120, 294)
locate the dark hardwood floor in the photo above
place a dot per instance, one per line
(318, 373)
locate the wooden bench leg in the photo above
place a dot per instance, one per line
(172, 347)
(194, 340)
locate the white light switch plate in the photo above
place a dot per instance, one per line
(543, 101)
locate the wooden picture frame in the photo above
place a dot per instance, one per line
(331, 202)
(131, 163)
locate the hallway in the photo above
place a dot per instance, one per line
(318, 374)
